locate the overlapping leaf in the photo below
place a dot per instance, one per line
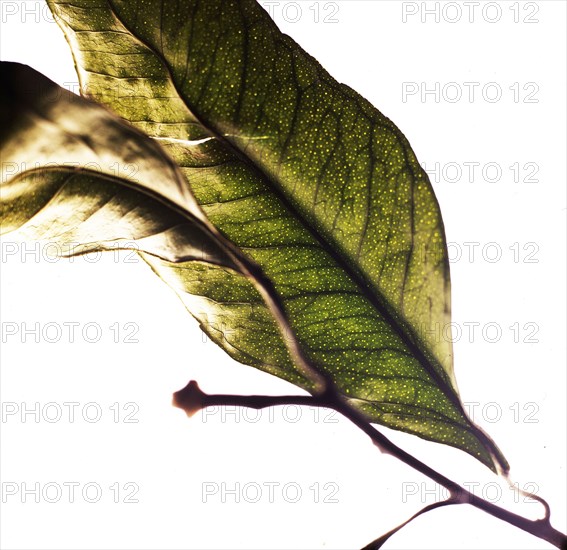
(60, 157)
(309, 180)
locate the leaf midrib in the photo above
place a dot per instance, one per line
(138, 187)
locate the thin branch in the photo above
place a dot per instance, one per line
(540, 528)
(191, 399)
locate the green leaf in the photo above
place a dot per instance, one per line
(311, 181)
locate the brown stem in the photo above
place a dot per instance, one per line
(191, 399)
(540, 528)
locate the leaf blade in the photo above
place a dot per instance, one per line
(243, 140)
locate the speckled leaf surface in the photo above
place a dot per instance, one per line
(309, 180)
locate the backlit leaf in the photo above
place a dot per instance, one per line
(310, 181)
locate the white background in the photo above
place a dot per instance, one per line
(519, 386)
